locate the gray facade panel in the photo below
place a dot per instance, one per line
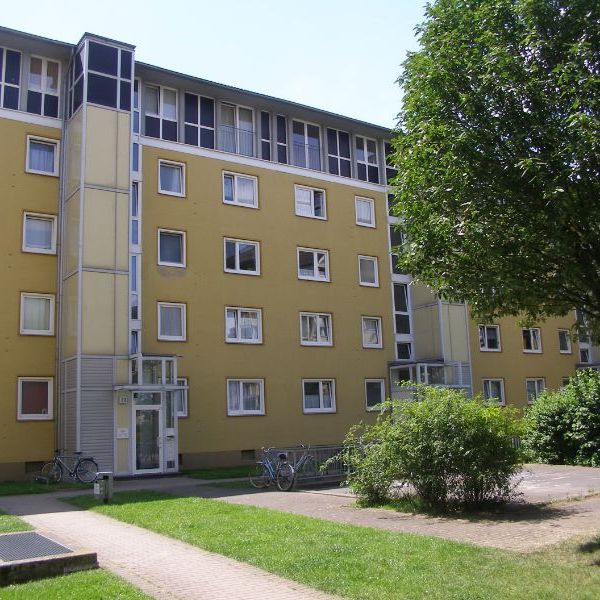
(97, 426)
(70, 421)
(97, 372)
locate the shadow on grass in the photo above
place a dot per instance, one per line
(591, 547)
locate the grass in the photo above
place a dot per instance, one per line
(88, 585)
(354, 562)
(12, 488)
(218, 472)
(10, 524)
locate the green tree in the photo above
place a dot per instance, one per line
(498, 156)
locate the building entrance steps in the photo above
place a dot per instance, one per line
(161, 567)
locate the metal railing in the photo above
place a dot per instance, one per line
(312, 472)
(236, 140)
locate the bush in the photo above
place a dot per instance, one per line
(563, 427)
(453, 451)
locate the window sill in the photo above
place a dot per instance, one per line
(232, 272)
(532, 352)
(47, 173)
(167, 193)
(317, 411)
(176, 265)
(244, 342)
(491, 350)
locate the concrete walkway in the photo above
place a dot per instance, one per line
(161, 567)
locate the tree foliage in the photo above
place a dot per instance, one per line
(498, 156)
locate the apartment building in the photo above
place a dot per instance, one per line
(192, 271)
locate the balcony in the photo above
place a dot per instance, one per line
(236, 140)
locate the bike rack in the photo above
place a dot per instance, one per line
(334, 472)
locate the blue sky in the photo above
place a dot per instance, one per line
(338, 55)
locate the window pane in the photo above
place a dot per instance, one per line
(332, 144)
(364, 210)
(103, 58)
(233, 396)
(36, 313)
(245, 190)
(228, 188)
(251, 395)
(400, 297)
(304, 202)
(169, 109)
(311, 395)
(170, 321)
(41, 156)
(207, 112)
(247, 256)
(249, 325)
(38, 233)
(50, 105)
(230, 255)
(319, 204)
(171, 247)
(306, 263)
(52, 76)
(126, 64)
(367, 271)
(13, 68)
(231, 323)
(371, 152)
(344, 144)
(102, 90)
(403, 351)
(492, 338)
(373, 393)
(125, 95)
(191, 108)
(309, 328)
(322, 265)
(34, 397)
(35, 73)
(34, 102)
(327, 388)
(324, 328)
(402, 324)
(371, 332)
(151, 97)
(170, 178)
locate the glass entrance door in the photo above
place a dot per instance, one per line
(148, 447)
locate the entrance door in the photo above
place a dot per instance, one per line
(148, 456)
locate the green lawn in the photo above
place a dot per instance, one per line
(355, 562)
(10, 524)
(84, 585)
(218, 472)
(12, 488)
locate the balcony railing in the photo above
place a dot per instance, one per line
(236, 140)
(307, 155)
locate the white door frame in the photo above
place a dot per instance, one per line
(161, 435)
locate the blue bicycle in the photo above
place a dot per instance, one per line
(270, 470)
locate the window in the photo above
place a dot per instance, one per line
(564, 341)
(338, 152)
(564, 382)
(10, 78)
(136, 107)
(318, 395)
(171, 178)
(374, 393)
(37, 314)
(181, 398)
(310, 202)
(265, 135)
(493, 389)
(161, 112)
(199, 120)
(43, 86)
(313, 264)
(532, 340)
(109, 76)
(306, 143)
(42, 156)
(236, 129)
(240, 189)
(243, 325)
(390, 167)
(371, 332)
(282, 156)
(245, 397)
(404, 351)
(367, 165)
(171, 248)
(134, 217)
(368, 272)
(365, 211)
(534, 388)
(401, 311)
(75, 81)
(171, 321)
(315, 329)
(397, 241)
(35, 398)
(584, 355)
(242, 256)
(39, 233)
(489, 338)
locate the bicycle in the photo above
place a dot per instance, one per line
(267, 471)
(305, 465)
(85, 469)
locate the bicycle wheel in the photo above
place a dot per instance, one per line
(86, 470)
(52, 471)
(285, 477)
(259, 476)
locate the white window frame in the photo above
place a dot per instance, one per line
(47, 142)
(373, 259)
(366, 161)
(333, 408)
(377, 407)
(238, 339)
(183, 381)
(569, 349)
(485, 348)
(44, 332)
(236, 176)
(314, 251)
(172, 163)
(502, 400)
(173, 338)
(317, 316)
(242, 412)
(305, 150)
(370, 201)
(237, 270)
(379, 330)
(539, 337)
(45, 217)
(165, 263)
(312, 191)
(50, 414)
(539, 389)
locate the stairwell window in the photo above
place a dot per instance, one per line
(35, 398)
(315, 329)
(313, 264)
(37, 314)
(489, 338)
(242, 257)
(171, 321)
(42, 156)
(493, 390)
(245, 397)
(39, 233)
(532, 340)
(240, 190)
(310, 202)
(318, 395)
(171, 178)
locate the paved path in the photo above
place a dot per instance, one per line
(159, 566)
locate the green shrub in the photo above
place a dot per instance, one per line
(452, 451)
(563, 427)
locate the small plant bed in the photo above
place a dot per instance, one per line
(351, 561)
(11, 524)
(16, 488)
(88, 585)
(218, 473)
